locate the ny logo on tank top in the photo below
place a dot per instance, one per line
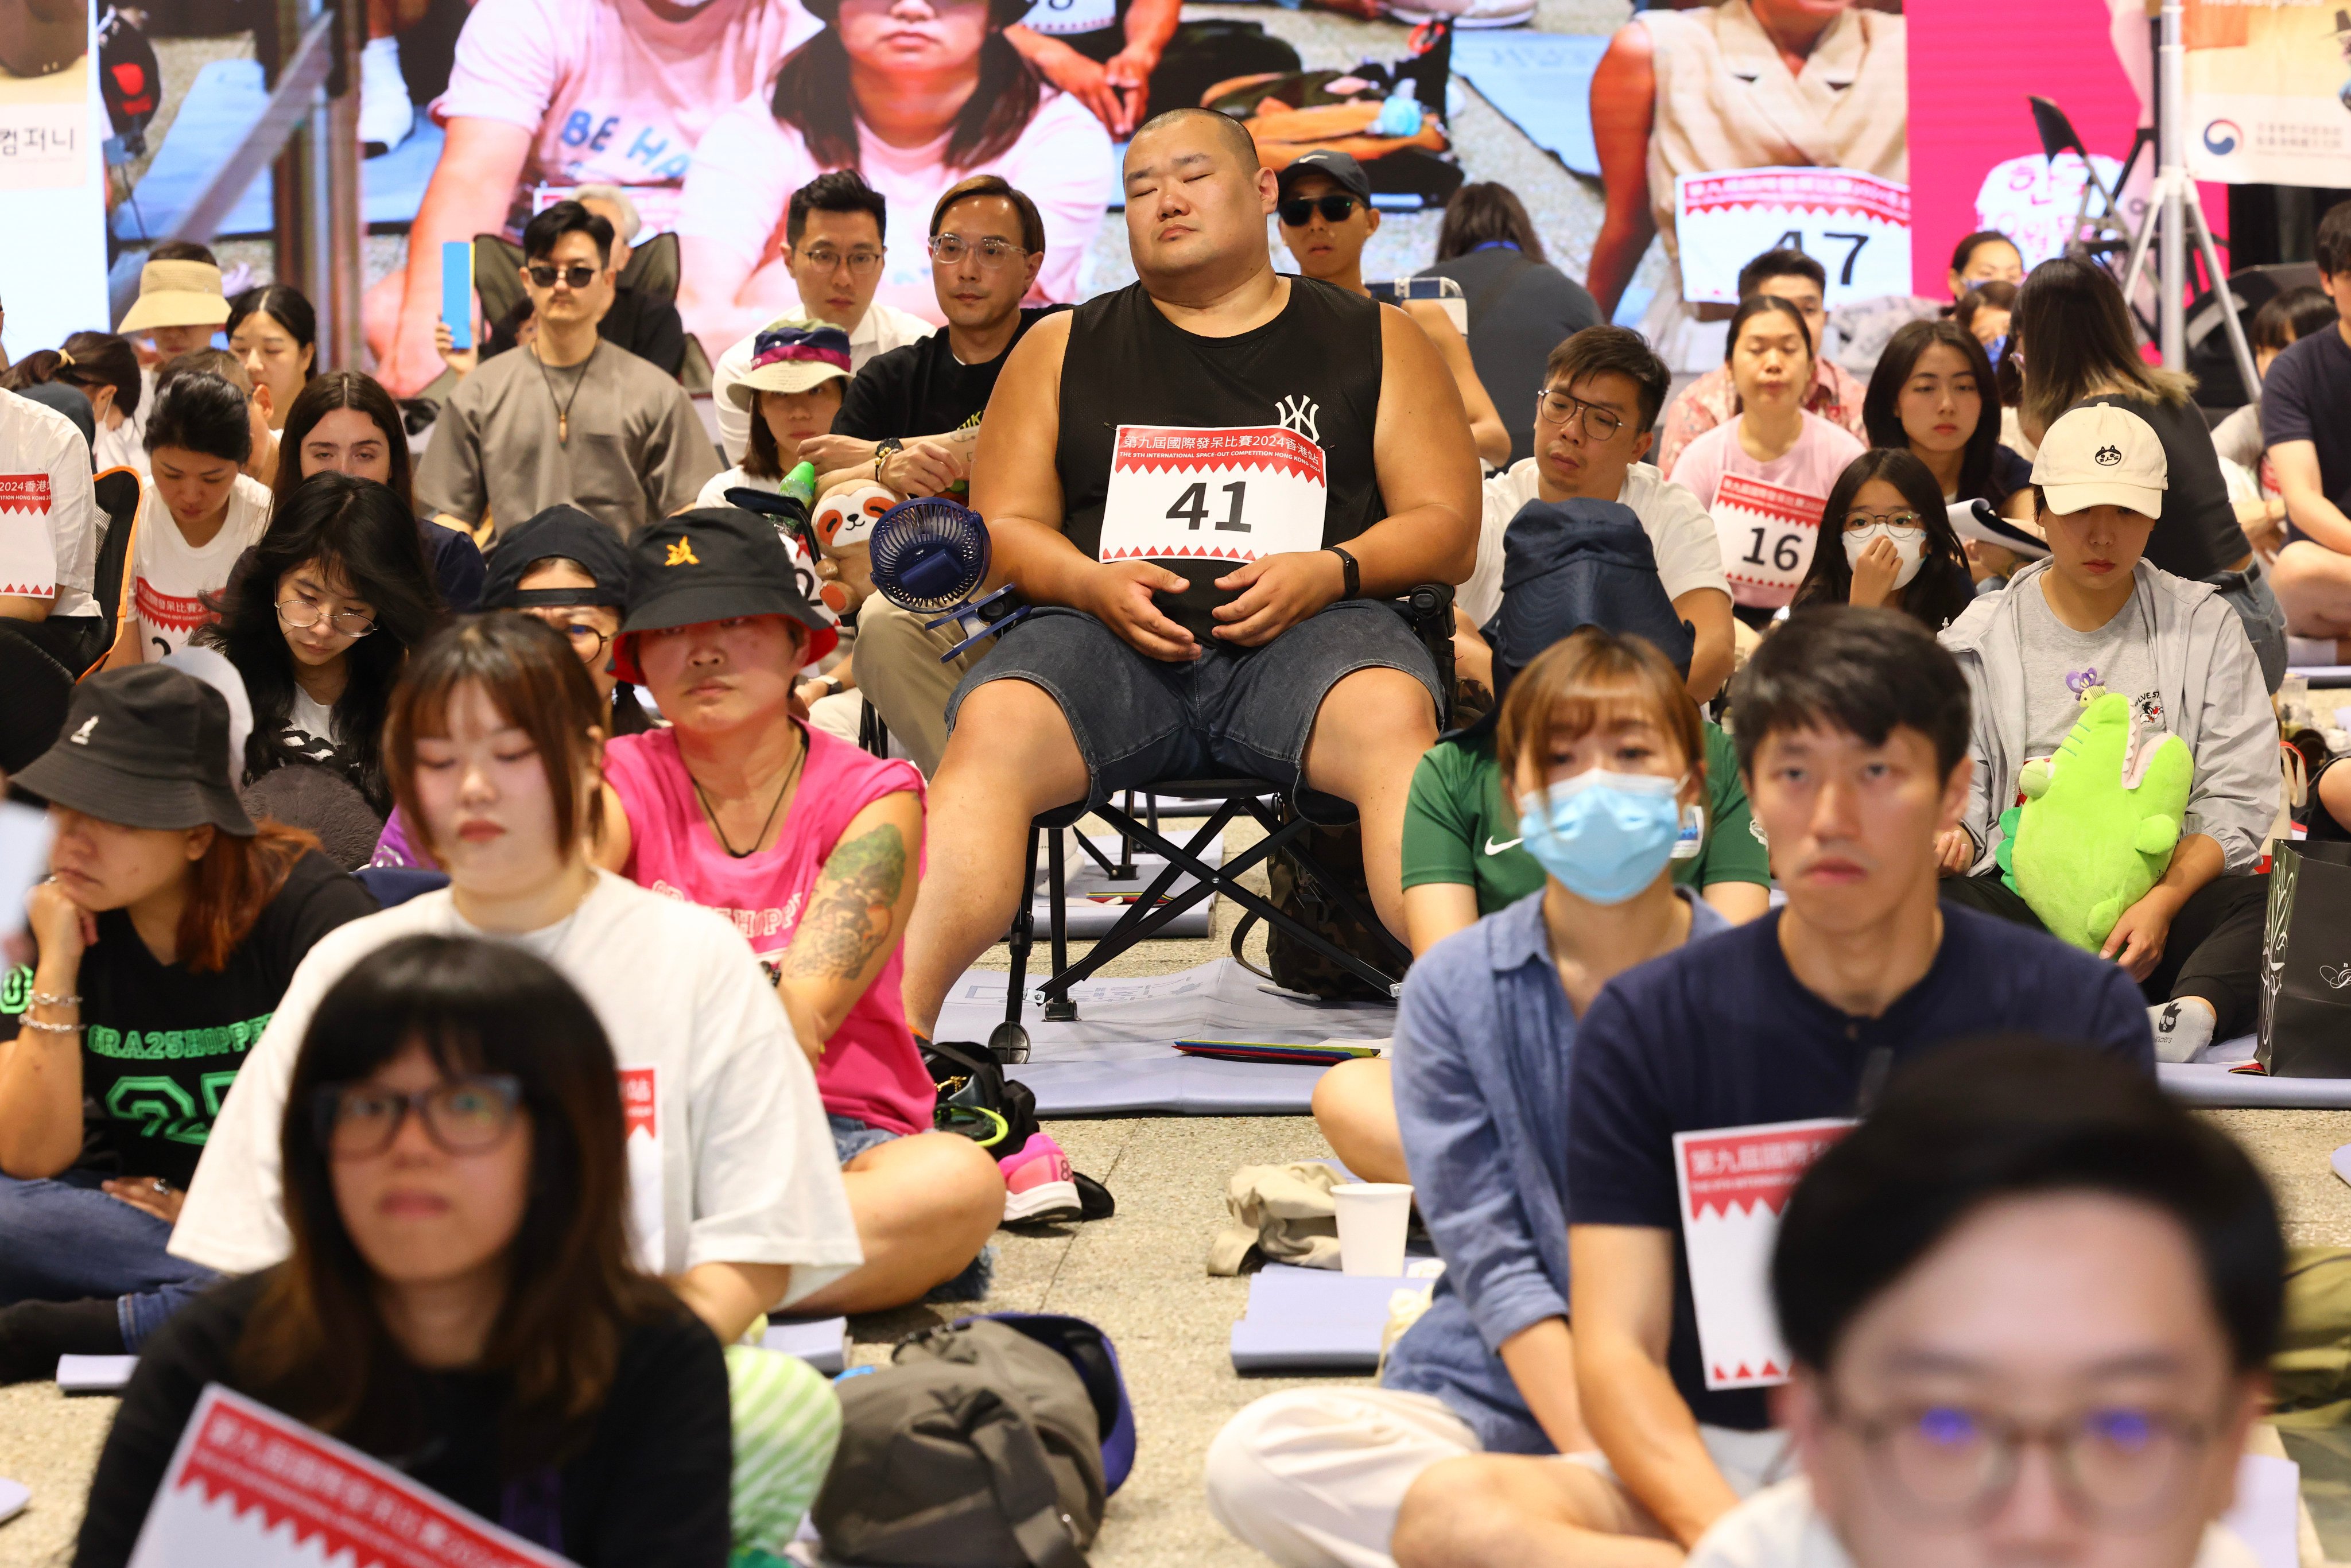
(1298, 413)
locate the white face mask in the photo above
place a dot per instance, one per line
(1911, 549)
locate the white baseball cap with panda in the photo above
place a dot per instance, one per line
(2100, 454)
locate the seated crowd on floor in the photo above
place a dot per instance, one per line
(405, 802)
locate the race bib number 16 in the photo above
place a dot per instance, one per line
(1216, 494)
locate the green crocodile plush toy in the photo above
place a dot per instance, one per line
(2100, 819)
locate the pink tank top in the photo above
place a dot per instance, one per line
(871, 1069)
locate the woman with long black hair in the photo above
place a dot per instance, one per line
(915, 95)
(1895, 547)
(461, 1298)
(318, 619)
(1933, 395)
(274, 331)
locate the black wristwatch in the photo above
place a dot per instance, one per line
(1355, 578)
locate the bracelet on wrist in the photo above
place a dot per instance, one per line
(42, 999)
(27, 1020)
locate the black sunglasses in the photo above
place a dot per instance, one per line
(579, 275)
(1335, 209)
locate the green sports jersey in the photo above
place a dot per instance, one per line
(1459, 828)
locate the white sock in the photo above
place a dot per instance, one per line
(2309, 652)
(2182, 1028)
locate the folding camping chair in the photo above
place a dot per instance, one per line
(1428, 611)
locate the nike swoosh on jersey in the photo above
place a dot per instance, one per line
(1494, 848)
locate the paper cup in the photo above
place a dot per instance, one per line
(1372, 1219)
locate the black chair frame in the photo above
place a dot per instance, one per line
(1428, 610)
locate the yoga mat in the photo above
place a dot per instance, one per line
(222, 104)
(2213, 1086)
(2322, 674)
(1315, 1320)
(1540, 82)
(1119, 1057)
(94, 1374)
(14, 1496)
(1094, 902)
(822, 1343)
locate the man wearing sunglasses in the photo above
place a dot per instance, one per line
(570, 419)
(2032, 1303)
(1595, 423)
(911, 421)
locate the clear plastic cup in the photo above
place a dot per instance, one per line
(1373, 1216)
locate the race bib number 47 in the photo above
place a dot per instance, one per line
(1212, 495)
(1856, 225)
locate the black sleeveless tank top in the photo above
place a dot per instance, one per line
(1203, 454)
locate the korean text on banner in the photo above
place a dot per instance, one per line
(260, 1490)
(1734, 1182)
(1856, 225)
(2269, 92)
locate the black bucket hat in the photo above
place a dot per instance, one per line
(144, 748)
(712, 563)
(571, 533)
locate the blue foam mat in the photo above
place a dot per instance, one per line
(221, 105)
(2212, 1084)
(822, 1343)
(1314, 1320)
(2322, 674)
(1540, 82)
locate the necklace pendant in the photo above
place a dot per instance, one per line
(562, 429)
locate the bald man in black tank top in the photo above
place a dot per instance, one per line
(1208, 479)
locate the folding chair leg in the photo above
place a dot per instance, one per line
(1023, 934)
(1058, 1008)
(1126, 846)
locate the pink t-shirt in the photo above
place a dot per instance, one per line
(871, 1069)
(1766, 515)
(614, 94)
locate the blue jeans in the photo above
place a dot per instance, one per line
(852, 1137)
(66, 1241)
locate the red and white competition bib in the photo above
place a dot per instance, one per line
(1230, 495)
(252, 1487)
(1734, 1183)
(28, 557)
(641, 1122)
(1856, 225)
(1768, 535)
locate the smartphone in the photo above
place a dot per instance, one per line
(457, 291)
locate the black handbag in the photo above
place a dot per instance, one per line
(2305, 1029)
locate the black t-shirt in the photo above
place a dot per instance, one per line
(2321, 827)
(2197, 534)
(1223, 465)
(1519, 311)
(651, 1487)
(160, 1043)
(2307, 396)
(1721, 1034)
(2011, 472)
(923, 388)
(458, 571)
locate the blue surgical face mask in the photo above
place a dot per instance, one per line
(1604, 835)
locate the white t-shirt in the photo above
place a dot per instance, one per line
(612, 93)
(49, 520)
(750, 165)
(734, 1164)
(882, 328)
(311, 716)
(125, 446)
(168, 575)
(1680, 533)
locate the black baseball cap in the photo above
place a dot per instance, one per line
(144, 748)
(712, 563)
(1340, 168)
(565, 531)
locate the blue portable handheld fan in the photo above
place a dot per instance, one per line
(929, 555)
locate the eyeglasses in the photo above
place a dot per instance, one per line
(579, 275)
(586, 640)
(1559, 408)
(1955, 1466)
(1335, 209)
(298, 611)
(1903, 523)
(462, 1115)
(862, 263)
(949, 249)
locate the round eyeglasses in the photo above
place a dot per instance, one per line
(462, 1115)
(303, 614)
(1952, 1465)
(1558, 408)
(994, 252)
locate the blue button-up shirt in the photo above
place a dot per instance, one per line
(1481, 1055)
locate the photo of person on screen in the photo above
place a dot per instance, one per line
(915, 95)
(559, 94)
(1745, 84)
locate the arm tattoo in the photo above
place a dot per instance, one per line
(849, 917)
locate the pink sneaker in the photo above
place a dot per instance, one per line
(1037, 1186)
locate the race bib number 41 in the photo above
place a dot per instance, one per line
(1212, 495)
(1856, 225)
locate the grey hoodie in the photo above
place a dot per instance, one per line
(2212, 696)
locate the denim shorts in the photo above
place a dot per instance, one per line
(1245, 712)
(852, 1137)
